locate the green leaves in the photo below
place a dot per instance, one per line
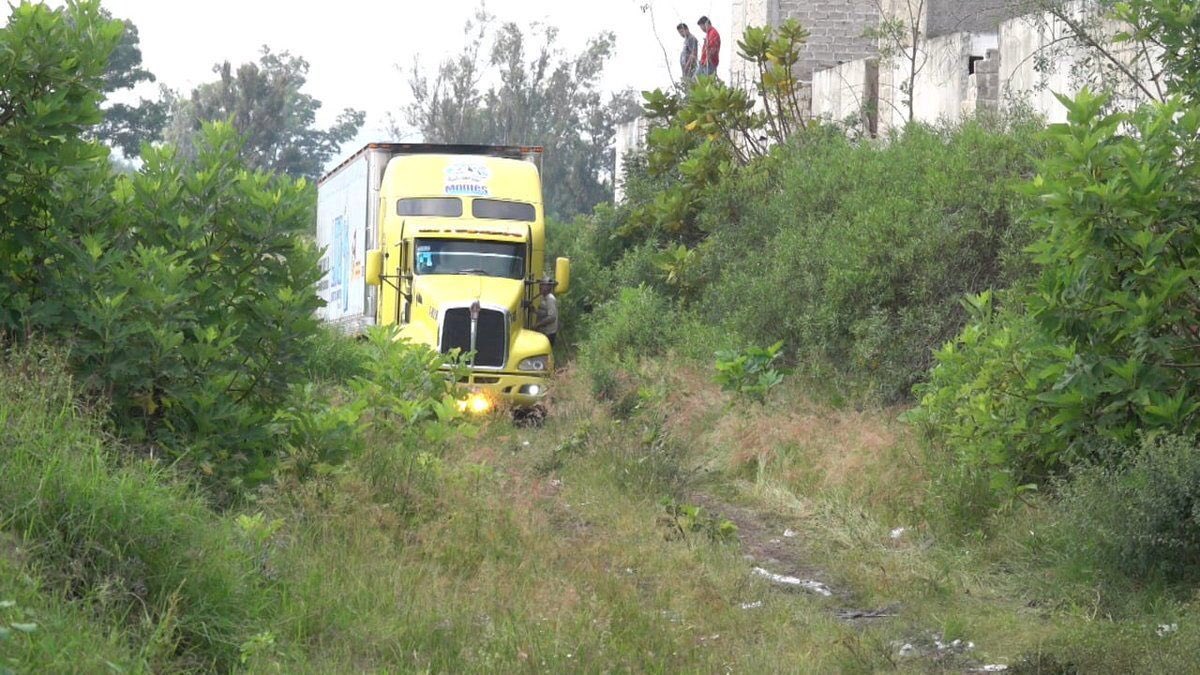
(1104, 345)
(185, 290)
(51, 64)
(750, 372)
(712, 128)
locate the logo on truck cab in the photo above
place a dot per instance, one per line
(467, 177)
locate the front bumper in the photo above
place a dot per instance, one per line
(521, 390)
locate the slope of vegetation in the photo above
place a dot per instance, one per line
(195, 477)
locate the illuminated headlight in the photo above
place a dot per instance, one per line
(476, 403)
(537, 364)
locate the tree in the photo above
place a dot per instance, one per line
(1119, 48)
(544, 98)
(128, 126)
(901, 35)
(264, 102)
(51, 67)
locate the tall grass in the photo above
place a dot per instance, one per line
(124, 540)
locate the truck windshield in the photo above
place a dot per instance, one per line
(456, 256)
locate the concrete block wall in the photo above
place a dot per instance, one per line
(969, 16)
(837, 28)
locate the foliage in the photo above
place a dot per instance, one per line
(47, 101)
(840, 248)
(201, 268)
(750, 372)
(1171, 30)
(1103, 345)
(129, 126)
(992, 441)
(687, 520)
(333, 357)
(542, 98)
(629, 327)
(701, 135)
(264, 102)
(320, 434)
(1138, 519)
(410, 382)
(124, 539)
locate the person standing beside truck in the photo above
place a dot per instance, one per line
(688, 58)
(547, 312)
(710, 55)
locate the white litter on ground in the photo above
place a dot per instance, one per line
(752, 605)
(898, 532)
(992, 668)
(795, 582)
(789, 533)
(1166, 629)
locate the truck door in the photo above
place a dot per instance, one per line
(404, 277)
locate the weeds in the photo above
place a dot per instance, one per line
(750, 372)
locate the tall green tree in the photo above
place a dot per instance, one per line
(527, 92)
(277, 120)
(184, 291)
(52, 65)
(128, 126)
(1103, 347)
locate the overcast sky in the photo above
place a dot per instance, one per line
(355, 46)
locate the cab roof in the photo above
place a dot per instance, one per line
(465, 176)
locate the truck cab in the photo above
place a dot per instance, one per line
(460, 248)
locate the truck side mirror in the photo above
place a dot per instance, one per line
(374, 267)
(562, 273)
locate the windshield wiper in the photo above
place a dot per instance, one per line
(473, 271)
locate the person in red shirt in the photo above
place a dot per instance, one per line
(710, 54)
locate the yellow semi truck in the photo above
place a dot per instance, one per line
(448, 242)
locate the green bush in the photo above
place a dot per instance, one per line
(856, 254)
(185, 290)
(1102, 346)
(125, 540)
(51, 67)
(1139, 518)
(751, 372)
(333, 357)
(199, 299)
(977, 409)
(636, 324)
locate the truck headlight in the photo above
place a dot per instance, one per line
(535, 363)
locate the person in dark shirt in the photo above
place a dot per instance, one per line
(689, 57)
(710, 54)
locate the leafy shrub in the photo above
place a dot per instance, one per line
(411, 383)
(1102, 346)
(192, 282)
(330, 356)
(856, 254)
(127, 540)
(51, 66)
(750, 372)
(638, 323)
(977, 408)
(319, 434)
(1139, 518)
(185, 290)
